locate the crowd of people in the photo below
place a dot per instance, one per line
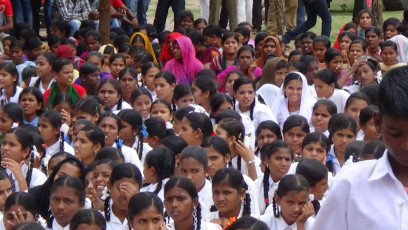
(201, 127)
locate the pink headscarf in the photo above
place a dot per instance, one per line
(185, 72)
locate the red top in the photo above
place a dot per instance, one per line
(116, 3)
(80, 90)
(8, 10)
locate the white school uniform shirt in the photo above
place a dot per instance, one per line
(114, 222)
(131, 156)
(33, 80)
(259, 185)
(37, 177)
(152, 93)
(205, 198)
(260, 113)
(280, 224)
(152, 188)
(1, 221)
(339, 98)
(281, 110)
(204, 226)
(146, 149)
(56, 226)
(216, 215)
(330, 178)
(125, 105)
(13, 99)
(326, 133)
(244, 166)
(54, 148)
(375, 199)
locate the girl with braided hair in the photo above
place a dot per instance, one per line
(49, 125)
(278, 157)
(17, 160)
(125, 181)
(133, 131)
(291, 205)
(110, 123)
(317, 175)
(230, 196)
(182, 205)
(194, 166)
(242, 157)
(157, 170)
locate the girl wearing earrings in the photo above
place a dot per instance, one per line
(15, 150)
(230, 197)
(182, 205)
(49, 125)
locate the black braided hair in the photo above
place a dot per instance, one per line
(158, 158)
(120, 102)
(37, 83)
(239, 163)
(329, 165)
(61, 144)
(49, 222)
(275, 209)
(266, 186)
(251, 111)
(213, 208)
(316, 206)
(247, 205)
(139, 148)
(13, 183)
(107, 210)
(158, 187)
(198, 227)
(30, 169)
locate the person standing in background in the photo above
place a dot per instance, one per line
(231, 6)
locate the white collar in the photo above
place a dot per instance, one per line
(57, 226)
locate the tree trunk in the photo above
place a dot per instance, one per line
(104, 20)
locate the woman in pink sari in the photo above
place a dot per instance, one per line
(184, 65)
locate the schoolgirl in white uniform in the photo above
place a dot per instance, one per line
(295, 99)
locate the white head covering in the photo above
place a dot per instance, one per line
(270, 93)
(281, 110)
(402, 45)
